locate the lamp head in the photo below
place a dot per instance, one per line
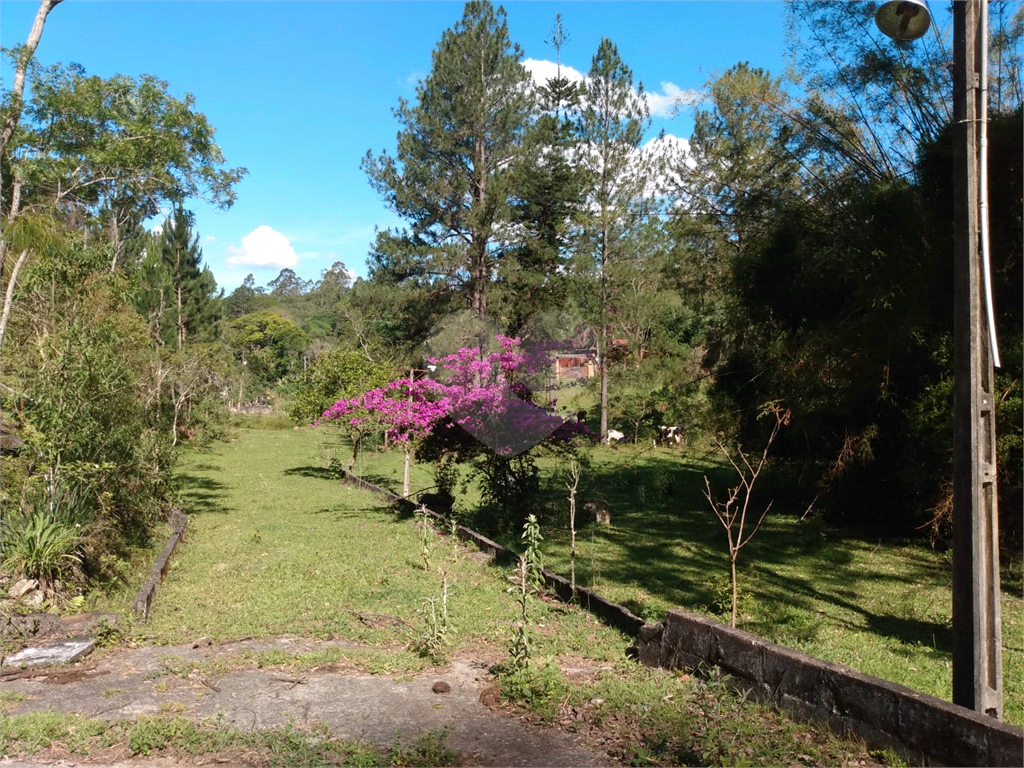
(903, 19)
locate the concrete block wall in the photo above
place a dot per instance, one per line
(143, 601)
(928, 730)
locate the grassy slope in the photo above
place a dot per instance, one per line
(277, 546)
(278, 565)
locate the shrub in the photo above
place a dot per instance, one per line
(38, 546)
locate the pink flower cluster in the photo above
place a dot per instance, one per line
(405, 410)
(485, 395)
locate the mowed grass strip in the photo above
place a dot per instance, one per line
(278, 546)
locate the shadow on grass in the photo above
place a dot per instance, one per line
(349, 512)
(202, 493)
(319, 473)
(666, 541)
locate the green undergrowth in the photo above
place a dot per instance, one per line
(175, 737)
(657, 717)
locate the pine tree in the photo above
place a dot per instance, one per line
(178, 294)
(549, 199)
(457, 150)
(611, 126)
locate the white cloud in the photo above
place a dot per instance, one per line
(667, 103)
(211, 239)
(542, 71)
(263, 248)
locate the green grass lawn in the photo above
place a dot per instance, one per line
(883, 608)
(880, 607)
(277, 545)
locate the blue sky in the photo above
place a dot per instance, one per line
(299, 91)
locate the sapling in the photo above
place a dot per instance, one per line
(732, 513)
(425, 529)
(533, 558)
(574, 476)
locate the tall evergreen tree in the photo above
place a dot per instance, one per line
(612, 122)
(549, 199)
(450, 176)
(178, 294)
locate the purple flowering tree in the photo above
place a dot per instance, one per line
(487, 396)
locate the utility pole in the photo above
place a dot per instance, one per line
(977, 628)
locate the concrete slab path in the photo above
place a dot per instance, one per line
(357, 706)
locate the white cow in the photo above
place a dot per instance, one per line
(614, 436)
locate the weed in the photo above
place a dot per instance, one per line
(519, 647)
(425, 530)
(106, 635)
(427, 750)
(890, 757)
(435, 644)
(533, 557)
(540, 689)
(9, 700)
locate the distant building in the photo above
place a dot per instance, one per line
(574, 367)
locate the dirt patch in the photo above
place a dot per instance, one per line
(75, 675)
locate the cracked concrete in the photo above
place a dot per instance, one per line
(354, 705)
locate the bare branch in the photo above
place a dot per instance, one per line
(24, 57)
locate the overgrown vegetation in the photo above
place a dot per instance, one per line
(169, 737)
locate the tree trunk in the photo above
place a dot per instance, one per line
(605, 333)
(733, 571)
(9, 295)
(177, 290)
(18, 88)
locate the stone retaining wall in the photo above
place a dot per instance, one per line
(144, 597)
(927, 729)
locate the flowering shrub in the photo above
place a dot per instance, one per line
(487, 396)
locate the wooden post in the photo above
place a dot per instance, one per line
(977, 630)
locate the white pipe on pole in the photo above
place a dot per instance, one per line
(983, 184)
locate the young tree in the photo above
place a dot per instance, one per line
(457, 150)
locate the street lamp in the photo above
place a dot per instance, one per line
(977, 626)
(903, 19)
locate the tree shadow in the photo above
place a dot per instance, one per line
(202, 493)
(666, 540)
(320, 473)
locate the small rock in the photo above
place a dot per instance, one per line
(596, 701)
(202, 642)
(34, 599)
(22, 588)
(441, 687)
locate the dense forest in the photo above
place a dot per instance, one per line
(798, 253)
